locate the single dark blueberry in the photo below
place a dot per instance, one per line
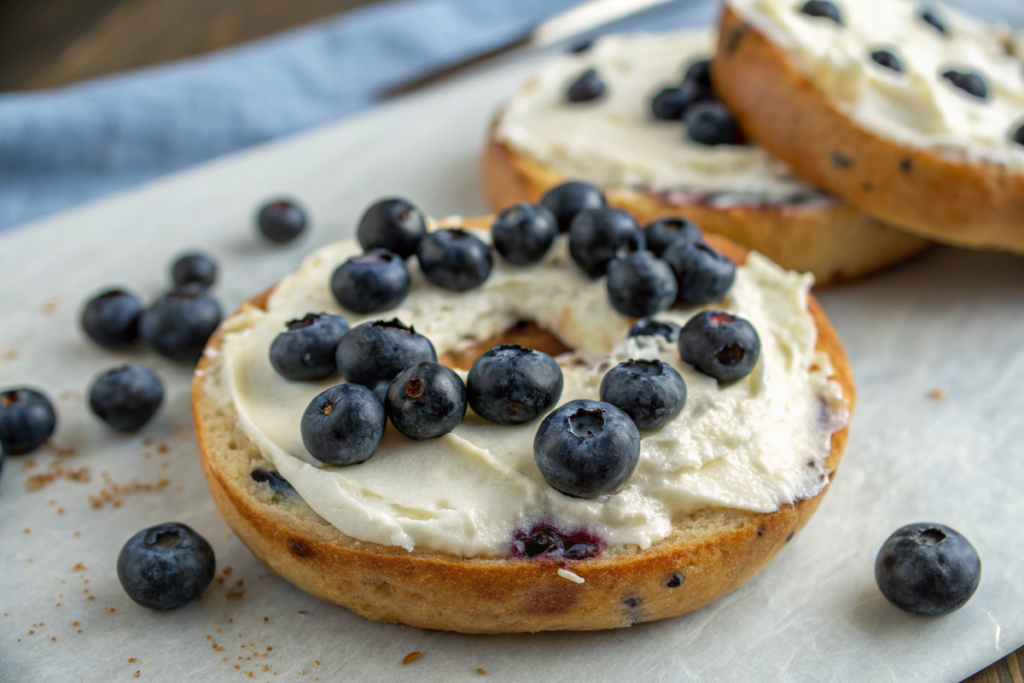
(178, 324)
(126, 397)
(711, 123)
(379, 350)
(927, 569)
(546, 542)
(165, 566)
(587, 449)
(305, 351)
(512, 385)
(454, 259)
(27, 420)
(343, 425)
(822, 8)
(651, 392)
(523, 233)
(281, 221)
(568, 199)
(703, 275)
(640, 284)
(887, 59)
(372, 282)
(970, 83)
(1018, 135)
(664, 231)
(111, 318)
(392, 224)
(720, 344)
(588, 86)
(674, 580)
(929, 16)
(598, 236)
(426, 400)
(278, 484)
(194, 268)
(700, 73)
(646, 327)
(672, 104)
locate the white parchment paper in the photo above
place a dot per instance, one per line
(950, 321)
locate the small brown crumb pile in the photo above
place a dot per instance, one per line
(114, 493)
(56, 471)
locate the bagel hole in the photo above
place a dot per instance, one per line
(526, 333)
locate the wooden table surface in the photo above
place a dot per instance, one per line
(48, 43)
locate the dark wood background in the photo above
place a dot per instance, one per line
(47, 43)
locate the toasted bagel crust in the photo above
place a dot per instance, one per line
(713, 551)
(952, 200)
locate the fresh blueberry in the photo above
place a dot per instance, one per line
(165, 566)
(887, 59)
(672, 104)
(372, 282)
(970, 83)
(194, 268)
(278, 484)
(651, 392)
(646, 327)
(664, 231)
(343, 425)
(929, 16)
(111, 318)
(640, 285)
(822, 8)
(588, 86)
(927, 569)
(703, 275)
(178, 324)
(587, 449)
(379, 350)
(710, 123)
(1018, 135)
(126, 397)
(523, 233)
(598, 236)
(546, 542)
(512, 385)
(392, 224)
(700, 73)
(27, 420)
(454, 259)
(720, 344)
(305, 351)
(281, 221)
(426, 400)
(568, 199)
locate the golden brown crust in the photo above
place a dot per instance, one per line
(833, 242)
(714, 552)
(967, 203)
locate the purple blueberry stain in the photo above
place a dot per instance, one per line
(545, 541)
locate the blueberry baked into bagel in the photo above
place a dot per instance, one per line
(494, 442)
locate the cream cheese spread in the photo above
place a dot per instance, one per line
(917, 106)
(615, 140)
(754, 445)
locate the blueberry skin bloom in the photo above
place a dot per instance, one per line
(379, 350)
(305, 351)
(392, 224)
(647, 327)
(178, 324)
(640, 285)
(662, 233)
(710, 123)
(568, 199)
(426, 400)
(165, 566)
(281, 221)
(27, 420)
(598, 236)
(195, 268)
(720, 344)
(111, 318)
(651, 392)
(588, 86)
(343, 425)
(512, 385)
(703, 275)
(586, 448)
(523, 233)
(126, 397)
(454, 259)
(372, 282)
(927, 569)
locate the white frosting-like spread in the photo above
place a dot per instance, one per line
(918, 106)
(755, 444)
(615, 141)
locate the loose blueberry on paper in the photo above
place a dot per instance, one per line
(927, 569)
(111, 318)
(27, 420)
(178, 324)
(126, 397)
(281, 221)
(194, 268)
(165, 566)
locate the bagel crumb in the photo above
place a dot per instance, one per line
(411, 657)
(937, 394)
(566, 574)
(481, 672)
